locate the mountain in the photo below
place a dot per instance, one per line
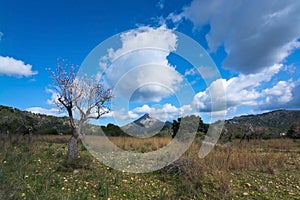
(147, 121)
(145, 126)
(279, 119)
(12, 119)
(268, 125)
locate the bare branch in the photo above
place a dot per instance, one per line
(86, 95)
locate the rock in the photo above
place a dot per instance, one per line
(262, 189)
(75, 171)
(248, 184)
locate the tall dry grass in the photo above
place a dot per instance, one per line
(143, 145)
(266, 156)
(257, 155)
(140, 144)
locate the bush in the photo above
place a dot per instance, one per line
(48, 131)
(294, 131)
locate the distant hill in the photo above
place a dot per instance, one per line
(146, 126)
(270, 124)
(280, 119)
(12, 118)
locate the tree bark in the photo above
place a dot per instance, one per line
(9, 137)
(30, 137)
(72, 149)
(73, 144)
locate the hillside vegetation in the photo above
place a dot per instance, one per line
(11, 119)
(267, 125)
(279, 119)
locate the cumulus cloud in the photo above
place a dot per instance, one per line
(295, 103)
(120, 116)
(283, 90)
(52, 102)
(139, 70)
(244, 90)
(254, 34)
(278, 95)
(204, 100)
(162, 112)
(40, 110)
(12, 67)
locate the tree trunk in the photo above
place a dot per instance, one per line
(9, 138)
(73, 141)
(73, 145)
(72, 149)
(30, 137)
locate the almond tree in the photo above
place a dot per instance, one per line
(84, 95)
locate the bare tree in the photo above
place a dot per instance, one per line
(27, 126)
(249, 131)
(82, 94)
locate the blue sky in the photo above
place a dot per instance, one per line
(254, 45)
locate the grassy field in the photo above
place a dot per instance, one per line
(263, 169)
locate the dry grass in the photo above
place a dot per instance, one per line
(143, 145)
(140, 144)
(40, 171)
(259, 168)
(264, 155)
(217, 168)
(260, 155)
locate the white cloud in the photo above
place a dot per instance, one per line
(160, 4)
(295, 103)
(40, 110)
(162, 112)
(190, 72)
(144, 37)
(139, 70)
(53, 101)
(280, 93)
(205, 72)
(243, 90)
(208, 72)
(12, 67)
(255, 34)
(203, 101)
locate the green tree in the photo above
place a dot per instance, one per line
(202, 127)
(294, 131)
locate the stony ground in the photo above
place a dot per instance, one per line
(39, 171)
